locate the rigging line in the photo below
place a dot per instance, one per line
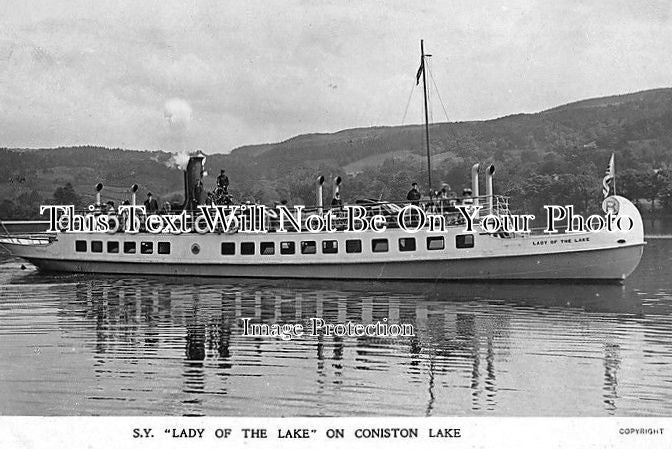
(407, 104)
(430, 109)
(450, 128)
(431, 75)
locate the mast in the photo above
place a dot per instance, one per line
(614, 177)
(424, 88)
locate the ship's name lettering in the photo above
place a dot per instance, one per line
(185, 432)
(560, 241)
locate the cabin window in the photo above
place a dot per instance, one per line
(267, 248)
(195, 249)
(434, 243)
(464, 241)
(247, 248)
(96, 246)
(146, 247)
(228, 248)
(113, 247)
(129, 247)
(287, 248)
(379, 245)
(329, 247)
(309, 247)
(407, 244)
(80, 246)
(353, 246)
(164, 247)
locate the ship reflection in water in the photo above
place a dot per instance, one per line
(127, 346)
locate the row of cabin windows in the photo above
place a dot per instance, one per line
(406, 244)
(113, 247)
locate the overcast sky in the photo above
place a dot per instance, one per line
(217, 75)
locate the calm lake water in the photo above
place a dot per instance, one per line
(84, 345)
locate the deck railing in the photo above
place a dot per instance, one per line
(445, 207)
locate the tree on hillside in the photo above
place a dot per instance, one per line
(665, 189)
(26, 206)
(634, 184)
(651, 185)
(580, 190)
(66, 195)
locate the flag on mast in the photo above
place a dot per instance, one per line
(609, 180)
(420, 70)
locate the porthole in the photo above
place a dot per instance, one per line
(195, 249)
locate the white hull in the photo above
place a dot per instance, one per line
(580, 256)
(609, 264)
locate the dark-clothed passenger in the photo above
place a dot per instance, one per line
(414, 194)
(151, 205)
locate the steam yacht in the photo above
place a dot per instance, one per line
(451, 252)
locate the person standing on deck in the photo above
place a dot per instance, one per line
(414, 194)
(223, 182)
(151, 205)
(447, 198)
(336, 201)
(467, 197)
